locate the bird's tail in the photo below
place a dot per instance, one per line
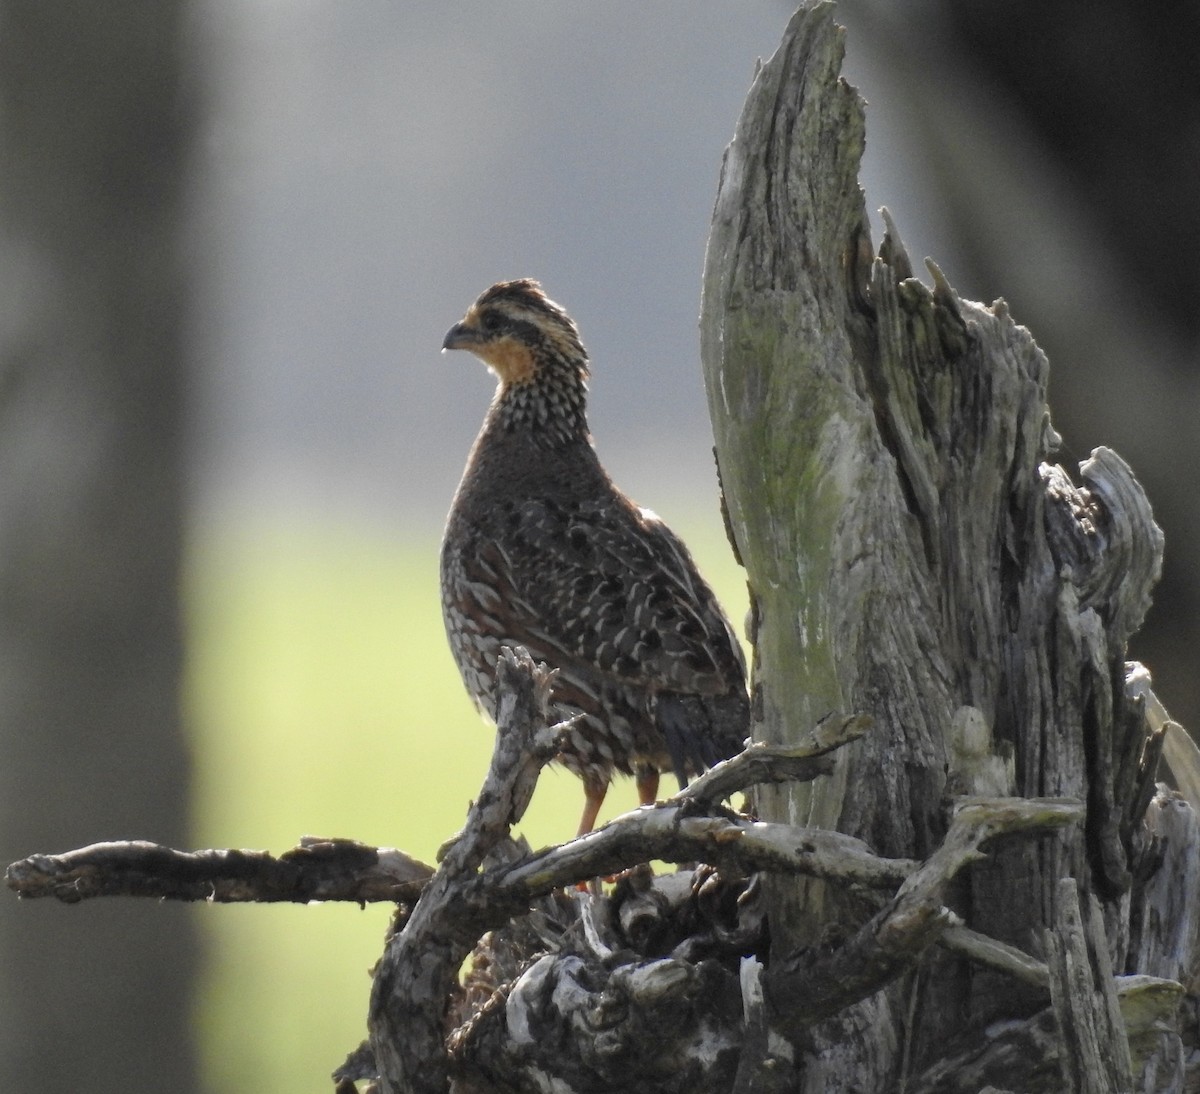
(702, 730)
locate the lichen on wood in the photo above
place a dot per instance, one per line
(914, 551)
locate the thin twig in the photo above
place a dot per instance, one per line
(761, 763)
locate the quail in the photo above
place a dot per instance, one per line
(542, 550)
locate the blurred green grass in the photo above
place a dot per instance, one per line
(323, 701)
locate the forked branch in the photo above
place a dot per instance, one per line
(482, 884)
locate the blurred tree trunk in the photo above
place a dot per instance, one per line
(94, 122)
(912, 554)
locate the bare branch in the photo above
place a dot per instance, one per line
(342, 869)
(995, 955)
(761, 763)
(667, 833)
(317, 869)
(416, 975)
(802, 991)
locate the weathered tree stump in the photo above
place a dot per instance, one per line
(911, 552)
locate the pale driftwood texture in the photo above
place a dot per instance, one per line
(885, 450)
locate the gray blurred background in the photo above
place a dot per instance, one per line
(234, 234)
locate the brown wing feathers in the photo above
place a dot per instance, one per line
(542, 550)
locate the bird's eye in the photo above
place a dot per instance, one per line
(490, 321)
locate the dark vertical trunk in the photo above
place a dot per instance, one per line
(94, 122)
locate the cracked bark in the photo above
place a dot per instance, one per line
(913, 551)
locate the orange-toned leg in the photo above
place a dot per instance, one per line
(593, 799)
(647, 786)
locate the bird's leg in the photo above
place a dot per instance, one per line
(593, 793)
(647, 785)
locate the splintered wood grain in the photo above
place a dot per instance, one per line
(912, 552)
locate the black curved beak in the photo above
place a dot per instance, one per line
(460, 336)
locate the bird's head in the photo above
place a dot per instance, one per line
(521, 335)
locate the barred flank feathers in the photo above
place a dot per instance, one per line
(542, 550)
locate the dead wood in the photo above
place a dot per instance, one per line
(642, 990)
(316, 869)
(914, 550)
